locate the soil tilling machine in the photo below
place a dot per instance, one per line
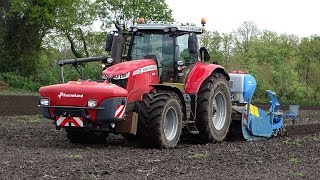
(162, 89)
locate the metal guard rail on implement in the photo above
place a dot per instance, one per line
(77, 61)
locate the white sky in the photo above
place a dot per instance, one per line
(299, 17)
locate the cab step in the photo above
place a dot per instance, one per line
(191, 127)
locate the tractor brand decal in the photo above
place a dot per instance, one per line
(69, 121)
(145, 69)
(119, 111)
(62, 94)
(254, 110)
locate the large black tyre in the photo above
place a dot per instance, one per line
(213, 109)
(77, 135)
(160, 119)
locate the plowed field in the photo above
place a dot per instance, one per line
(30, 148)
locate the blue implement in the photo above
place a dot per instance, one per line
(258, 124)
(293, 113)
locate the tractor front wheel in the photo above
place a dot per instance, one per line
(160, 119)
(214, 109)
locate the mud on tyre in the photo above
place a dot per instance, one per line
(160, 119)
(214, 109)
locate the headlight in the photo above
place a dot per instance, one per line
(44, 102)
(92, 103)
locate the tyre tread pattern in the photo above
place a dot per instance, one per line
(151, 110)
(210, 85)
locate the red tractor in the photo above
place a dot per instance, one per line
(160, 90)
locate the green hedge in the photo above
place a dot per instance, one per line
(19, 82)
(294, 93)
(50, 76)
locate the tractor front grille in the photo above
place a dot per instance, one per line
(120, 82)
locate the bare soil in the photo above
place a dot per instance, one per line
(30, 148)
(18, 105)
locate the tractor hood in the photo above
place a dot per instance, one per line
(77, 93)
(127, 67)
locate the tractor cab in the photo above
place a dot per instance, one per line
(173, 46)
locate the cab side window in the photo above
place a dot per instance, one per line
(184, 55)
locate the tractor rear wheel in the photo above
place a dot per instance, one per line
(160, 119)
(76, 135)
(214, 109)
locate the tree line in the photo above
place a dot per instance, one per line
(284, 63)
(31, 30)
(34, 35)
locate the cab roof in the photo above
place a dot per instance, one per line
(162, 25)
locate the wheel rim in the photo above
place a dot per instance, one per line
(170, 125)
(219, 111)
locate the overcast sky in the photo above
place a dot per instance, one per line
(299, 17)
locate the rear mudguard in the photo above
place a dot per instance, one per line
(199, 74)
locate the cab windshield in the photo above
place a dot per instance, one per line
(159, 46)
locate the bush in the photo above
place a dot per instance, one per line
(50, 76)
(19, 82)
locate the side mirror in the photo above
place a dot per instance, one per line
(109, 40)
(204, 55)
(192, 44)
